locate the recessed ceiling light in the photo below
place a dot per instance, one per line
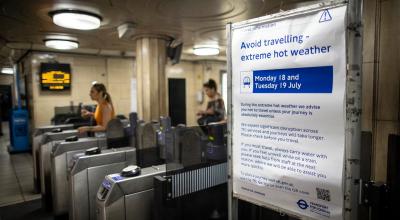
(61, 44)
(76, 19)
(7, 70)
(206, 50)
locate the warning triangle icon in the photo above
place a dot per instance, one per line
(326, 16)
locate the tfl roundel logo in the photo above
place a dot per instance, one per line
(302, 204)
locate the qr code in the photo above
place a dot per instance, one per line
(323, 194)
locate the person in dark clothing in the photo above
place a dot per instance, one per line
(215, 111)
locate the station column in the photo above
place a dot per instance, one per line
(151, 79)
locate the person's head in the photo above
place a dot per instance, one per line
(210, 88)
(99, 92)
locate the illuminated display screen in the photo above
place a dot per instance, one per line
(55, 76)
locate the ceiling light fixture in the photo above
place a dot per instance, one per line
(206, 50)
(7, 70)
(61, 44)
(75, 19)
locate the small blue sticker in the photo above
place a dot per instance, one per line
(117, 178)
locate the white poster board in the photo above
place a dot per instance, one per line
(288, 112)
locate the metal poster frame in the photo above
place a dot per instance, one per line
(351, 173)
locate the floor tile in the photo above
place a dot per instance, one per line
(5, 196)
(10, 197)
(16, 175)
(6, 171)
(10, 190)
(7, 181)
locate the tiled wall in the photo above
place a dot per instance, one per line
(115, 73)
(381, 78)
(121, 72)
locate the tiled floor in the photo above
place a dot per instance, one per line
(16, 174)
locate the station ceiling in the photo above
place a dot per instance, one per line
(25, 23)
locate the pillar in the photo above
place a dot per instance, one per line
(381, 79)
(152, 93)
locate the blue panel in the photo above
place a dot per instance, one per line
(294, 80)
(19, 130)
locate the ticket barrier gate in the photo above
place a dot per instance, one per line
(45, 161)
(112, 203)
(38, 141)
(167, 136)
(144, 138)
(71, 115)
(68, 123)
(61, 154)
(147, 149)
(86, 174)
(197, 190)
(118, 199)
(197, 193)
(131, 198)
(45, 166)
(43, 129)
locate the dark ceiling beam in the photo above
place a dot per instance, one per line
(23, 56)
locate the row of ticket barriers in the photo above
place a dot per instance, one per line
(139, 170)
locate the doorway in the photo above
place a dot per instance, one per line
(5, 101)
(177, 101)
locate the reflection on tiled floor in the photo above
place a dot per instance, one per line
(16, 174)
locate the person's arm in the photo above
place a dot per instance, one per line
(221, 107)
(107, 116)
(86, 114)
(208, 111)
